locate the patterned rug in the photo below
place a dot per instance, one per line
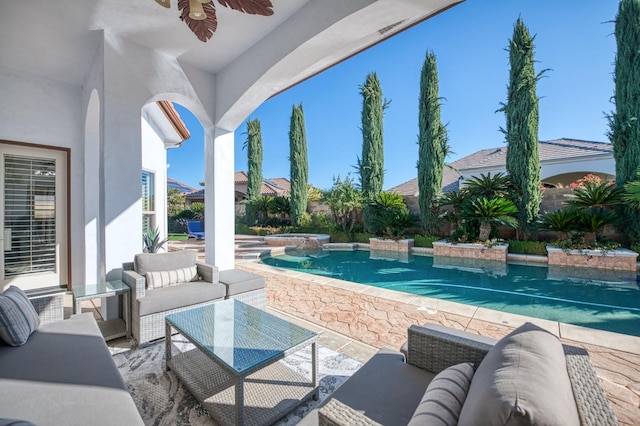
(163, 400)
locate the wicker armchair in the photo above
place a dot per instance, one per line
(150, 306)
(431, 350)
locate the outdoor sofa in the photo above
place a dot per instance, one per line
(164, 283)
(63, 375)
(455, 377)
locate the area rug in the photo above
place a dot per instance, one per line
(163, 400)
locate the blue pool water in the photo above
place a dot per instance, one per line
(570, 295)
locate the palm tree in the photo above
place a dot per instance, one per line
(261, 205)
(592, 222)
(390, 214)
(561, 222)
(487, 185)
(600, 196)
(632, 192)
(490, 212)
(280, 206)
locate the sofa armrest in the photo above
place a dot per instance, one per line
(136, 282)
(434, 348)
(208, 273)
(335, 413)
(591, 401)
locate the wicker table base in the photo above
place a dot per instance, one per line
(258, 393)
(269, 393)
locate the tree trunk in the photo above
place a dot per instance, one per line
(485, 231)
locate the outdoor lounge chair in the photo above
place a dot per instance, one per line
(195, 229)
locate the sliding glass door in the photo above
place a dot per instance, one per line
(33, 214)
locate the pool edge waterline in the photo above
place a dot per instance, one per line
(578, 333)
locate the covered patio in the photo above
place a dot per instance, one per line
(78, 80)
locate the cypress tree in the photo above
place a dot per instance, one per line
(521, 111)
(371, 164)
(254, 161)
(432, 146)
(299, 164)
(624, 123)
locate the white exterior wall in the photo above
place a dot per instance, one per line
(154, 159)
(47, 112)
(603, 164)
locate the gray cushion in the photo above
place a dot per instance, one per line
(18, 317)
(64, 375)
(523, 380)
(442, 402)
(178, 296)
(385, 389)
(238, 281)
(150, 262)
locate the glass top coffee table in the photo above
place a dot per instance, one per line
(232, 365)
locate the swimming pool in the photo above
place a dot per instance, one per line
(609, 303)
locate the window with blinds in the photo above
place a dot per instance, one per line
(148, 202)
(29, 215)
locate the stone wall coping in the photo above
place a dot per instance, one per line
(619, 252)
(403, 240)
(479, 246)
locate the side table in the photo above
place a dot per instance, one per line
(111, 329)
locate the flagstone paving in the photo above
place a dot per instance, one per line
(383, 323)
(380, 319)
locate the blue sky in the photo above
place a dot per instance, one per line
(574, 39)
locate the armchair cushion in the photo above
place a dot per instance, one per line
(18, 317)
(151, 262)
(177, 296)
(523, 380)
(159, 279)
(443, 400)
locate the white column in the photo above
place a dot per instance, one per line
(219, 199)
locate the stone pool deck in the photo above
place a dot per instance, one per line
(364, 318)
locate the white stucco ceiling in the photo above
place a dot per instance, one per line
(58, 38)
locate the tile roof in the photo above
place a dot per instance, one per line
(270, 187)
(552, 150)
(184, 188)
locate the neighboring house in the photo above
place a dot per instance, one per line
(273, 187)
(73, 93)
(181, 187)
(270, 188)
(562, 161)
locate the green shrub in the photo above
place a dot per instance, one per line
(243, 229)
(528, 247)
(322, 220)
(361, 237)
(305, 220)
(339, 236)
(635, 247)
(424, 241)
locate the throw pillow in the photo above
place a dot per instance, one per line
(442, 401)
(523, 380)
(18, 317)
(159, 279)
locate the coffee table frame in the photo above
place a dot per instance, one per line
(259, 395)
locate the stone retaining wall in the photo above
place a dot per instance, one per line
(472, 251)
(380, 244)
(618, 260)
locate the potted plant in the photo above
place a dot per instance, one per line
(152, 242)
